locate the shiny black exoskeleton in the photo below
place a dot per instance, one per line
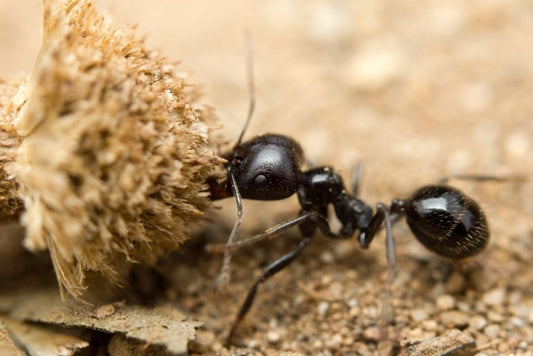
(442, 218)
(446, 221)
(268, 167)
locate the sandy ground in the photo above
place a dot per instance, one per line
(415, 92)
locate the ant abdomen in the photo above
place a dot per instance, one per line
(446, 221)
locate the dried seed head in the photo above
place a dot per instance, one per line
(115, 150)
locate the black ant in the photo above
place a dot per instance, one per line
(269, 167)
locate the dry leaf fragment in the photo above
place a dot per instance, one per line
(43, 341)
(453, 342)
(7, 346)
(162, 325)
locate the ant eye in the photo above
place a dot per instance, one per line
(260, 180)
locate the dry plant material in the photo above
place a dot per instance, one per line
(41, 340)
(7, 346)
(10, 203)
(162, 325)
(453, 342)
(114, 150)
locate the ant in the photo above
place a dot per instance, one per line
(269, 167)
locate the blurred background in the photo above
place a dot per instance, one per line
(435, 88)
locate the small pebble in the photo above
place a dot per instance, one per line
(334, 342)
(516, 322)
(523, 345)
(454, 318)
(327, 257)
(371, 334)
(318, 344)
(323, 308)
(430, 325)
(492, 331)
(336, 291)
(325, 280)
(354, 311)
(273, 336)
(418, 315)
(477, 322)
(445, 302)
(494, 297)
(523, 310)
(494, 317)
(352, 303)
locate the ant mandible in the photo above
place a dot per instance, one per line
(269, 167)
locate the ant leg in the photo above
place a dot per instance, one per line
(478, 178)
(268, 272)
(367, 235)
(381, 216)
(322, 223)
(357, 176)
(277, 230)
(386, 311)
(226, 262)
(269, 233)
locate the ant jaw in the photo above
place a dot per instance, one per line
(218, 190)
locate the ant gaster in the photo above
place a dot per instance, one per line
(269, 167)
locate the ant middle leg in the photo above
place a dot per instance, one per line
(317, 220)
(268, 272)
(382, 218)
(308, 222)
(268, 234)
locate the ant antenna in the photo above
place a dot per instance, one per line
(251, 86)
(226, 262)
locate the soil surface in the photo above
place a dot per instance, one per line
(414, 91)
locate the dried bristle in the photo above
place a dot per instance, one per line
(116, 155)
(10, 203)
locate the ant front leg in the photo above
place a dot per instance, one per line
(268, 272)
(225, 271)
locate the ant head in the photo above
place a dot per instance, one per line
(266, 167)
